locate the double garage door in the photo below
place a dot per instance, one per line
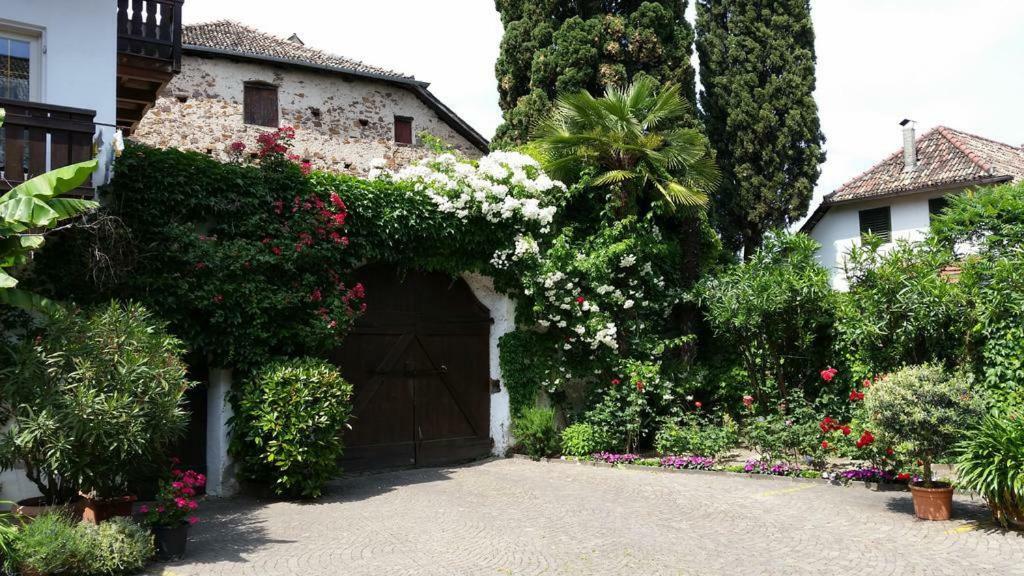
(419, 362)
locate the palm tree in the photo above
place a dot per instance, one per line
(634, 140)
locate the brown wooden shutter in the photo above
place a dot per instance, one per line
(403, 130)
(261, 104)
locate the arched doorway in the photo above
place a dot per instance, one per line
(419, 362)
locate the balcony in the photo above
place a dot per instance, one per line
(148, 55)
(38, 137)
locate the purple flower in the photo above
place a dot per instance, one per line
(687, 462)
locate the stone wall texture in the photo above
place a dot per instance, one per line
(342, 123)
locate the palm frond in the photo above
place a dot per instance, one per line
(613, 177)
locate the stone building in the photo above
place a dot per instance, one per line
(237, 82)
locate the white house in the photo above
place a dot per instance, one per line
(71, 74)
(898, 197)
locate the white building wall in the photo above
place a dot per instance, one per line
(503, 312)
(78, 49)
(839, 229)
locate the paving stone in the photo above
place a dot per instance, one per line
(516, 517)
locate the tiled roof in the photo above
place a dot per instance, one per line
(944, 157)
(230, 36)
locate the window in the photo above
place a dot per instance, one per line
(16, 65)
(877, 221)
(261, 104)
(403, 130)
(936, 206)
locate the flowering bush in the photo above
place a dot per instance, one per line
(176, 501)
(499, 186)
(688, 462)
(613, 458)
(756, 466)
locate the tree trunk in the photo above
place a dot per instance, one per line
(751, 242)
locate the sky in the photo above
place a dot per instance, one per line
(958, 63)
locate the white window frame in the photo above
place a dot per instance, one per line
(35, 66)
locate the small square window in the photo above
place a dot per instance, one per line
(403, 130)
(260, 104)
(877, 221)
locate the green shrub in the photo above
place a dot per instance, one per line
(776, 311)
(121, 547)
(96, 398)
(8, 534)
(926, 408)
(583, 439)
(534, 432)
(697, 436)
(54, 544)
(792, 436)
(991, 462)
(288, 424)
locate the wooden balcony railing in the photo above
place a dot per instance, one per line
(39, 137)
(150, 28)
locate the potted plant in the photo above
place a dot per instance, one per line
(173, 513)
(991, 462)
(93, 400)
(925, 408)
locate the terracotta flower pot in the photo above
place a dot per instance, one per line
(935, 503)
(170, 541)
(100, 509)
(30, 508)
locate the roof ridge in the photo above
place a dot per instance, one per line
(302, 47)
(879, 164)
(953, 138)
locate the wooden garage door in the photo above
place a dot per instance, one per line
(418, 359)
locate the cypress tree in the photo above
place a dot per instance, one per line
(554, 47)
(757, 77)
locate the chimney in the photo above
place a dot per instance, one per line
(294, 39)
(909, 146)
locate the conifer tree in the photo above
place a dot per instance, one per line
(554, 47)
(757, 77)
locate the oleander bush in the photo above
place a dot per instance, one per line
(287, 426)
(95, 400)
(534, 432)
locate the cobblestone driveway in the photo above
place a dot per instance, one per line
(520, 517)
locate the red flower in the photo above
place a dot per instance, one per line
(828, 374)
(639, 385)
(846, 430)
(827, 425)
(218, 298)
(615, 382)
(748, 400)
(276, 251)
(237, 146)
(824, 444)
(698, 404)
(903, 476)
(889, 451)
(856, 396)
(866, 439)
(580, 299)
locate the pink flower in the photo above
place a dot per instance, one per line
(192, 520)
(828, 374)
(698, 404)
(144, 509)
(237, 146)
(748, 400)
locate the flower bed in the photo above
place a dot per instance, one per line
(755, 466)
(687, 462)
(611, 458)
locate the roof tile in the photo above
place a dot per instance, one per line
(235, 37)
(944, 157)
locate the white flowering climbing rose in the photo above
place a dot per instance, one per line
(501, 186)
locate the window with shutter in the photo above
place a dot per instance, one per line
(936, 206)
(877, 221)
(261, 104)
(403, 130)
